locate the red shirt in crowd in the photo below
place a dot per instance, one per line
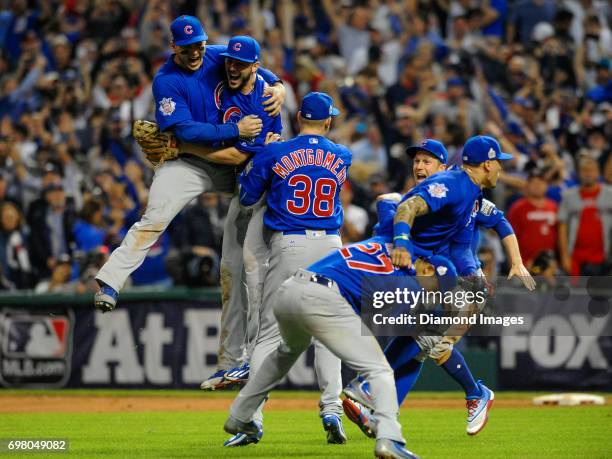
(535, 227)
(589, 245)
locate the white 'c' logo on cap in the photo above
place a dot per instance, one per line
(188, 29)
(237, 46)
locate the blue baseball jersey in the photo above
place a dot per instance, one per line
(303, 177)
(234, 106)
(185, 99)
(454, 201)
(489, 217)
(360, 269)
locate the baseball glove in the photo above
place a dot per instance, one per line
(157, 146)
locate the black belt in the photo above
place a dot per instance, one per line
(323, 280)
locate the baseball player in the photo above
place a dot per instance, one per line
(184, 93)
(324, 302)
(241, 95)
(429, 158)
(302, 177)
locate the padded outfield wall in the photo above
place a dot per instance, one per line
(168, 339)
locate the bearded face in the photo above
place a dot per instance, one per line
(238, 73)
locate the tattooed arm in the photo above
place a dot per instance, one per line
(407, 211)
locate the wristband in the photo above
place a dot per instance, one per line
(401, 235)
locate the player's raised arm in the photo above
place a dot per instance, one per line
(407, 211)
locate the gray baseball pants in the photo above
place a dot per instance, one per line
(305, 309)
(234, 299)
(174, 185)
(288, 253)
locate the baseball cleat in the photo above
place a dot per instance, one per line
(238, 375)
(242, 439)
(105, 299)
(361, 416)
(359, 391)
(392, 449)
(478, 409)
(234, 426)
(215, 381)
(333, 426)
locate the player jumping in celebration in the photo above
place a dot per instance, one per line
(240, 95)
(184, 93)
(324, 301)
(302, 177)
(431, 157)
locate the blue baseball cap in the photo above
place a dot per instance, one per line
(445, 272)
(187, 30)
(481, 148)
(242, 48)
(432, 147)
(318, 106)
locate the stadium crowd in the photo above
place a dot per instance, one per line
(75, 74)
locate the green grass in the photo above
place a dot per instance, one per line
(547, 432)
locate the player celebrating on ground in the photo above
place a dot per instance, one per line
(430, 157)
(324, 301)
(303, 177)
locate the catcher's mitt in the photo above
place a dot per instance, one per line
(157, 146)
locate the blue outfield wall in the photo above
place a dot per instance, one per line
(168, 339)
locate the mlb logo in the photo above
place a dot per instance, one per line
(37, 337)
(437, 190)
(167, 106)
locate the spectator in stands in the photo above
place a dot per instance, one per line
(89, 229)
(534, 218)
(524, 16)
(197, 238)
(60, 279)
(585, 223)
(51, 223)
(74, 75)
(355, 217)
(369, 154)
(14, 255)
(545, 266)
(488, 263)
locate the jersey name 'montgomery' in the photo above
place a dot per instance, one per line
(309, 157)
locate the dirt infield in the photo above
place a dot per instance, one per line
(115, 404)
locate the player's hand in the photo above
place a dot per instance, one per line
(521, 272)
(272, 137)
(250, 126)
(401, 258)
(273, 104)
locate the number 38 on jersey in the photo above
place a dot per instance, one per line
(314, 196)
